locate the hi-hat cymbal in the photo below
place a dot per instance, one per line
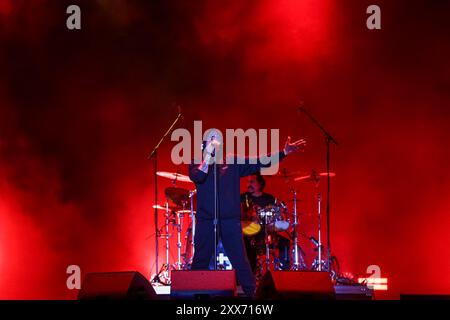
(185, 211)
(177, 195)
(314, 176)
(174, 176)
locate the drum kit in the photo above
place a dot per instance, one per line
(278, 220)
(268, 223)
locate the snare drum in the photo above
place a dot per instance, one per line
(272, 217)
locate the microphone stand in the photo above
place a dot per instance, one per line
(328, 140)
(154, 155)
(216, 212)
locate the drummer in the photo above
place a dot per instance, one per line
(255, 195)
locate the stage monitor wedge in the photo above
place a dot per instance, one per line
(203, 284)
(308, 285)
(126, 285)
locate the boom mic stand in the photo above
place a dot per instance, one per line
(154, 155)
(328, 139)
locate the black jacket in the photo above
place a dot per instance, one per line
(228, 183)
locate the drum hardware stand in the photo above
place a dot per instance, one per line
(297, 265)
(267, 244)
(165, 269)
(154, 155)
(189, 236)
(185, 255)
(165, 274)
(191, 246)
(179, 226)
(167, 235)
(318, 261)
(328, 140)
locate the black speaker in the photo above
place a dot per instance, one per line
(353, 292)
(281, 285)
(424, 297)
(126, 285)
(196, 284)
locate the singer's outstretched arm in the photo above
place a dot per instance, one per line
(247, 169)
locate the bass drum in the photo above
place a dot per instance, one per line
(250, 228)
(251, 225)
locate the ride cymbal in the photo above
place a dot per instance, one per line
(313, 177)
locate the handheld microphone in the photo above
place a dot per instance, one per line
(213, 153)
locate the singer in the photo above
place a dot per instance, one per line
(222, 182)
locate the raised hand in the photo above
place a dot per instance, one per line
(291, 147)
(211, 146)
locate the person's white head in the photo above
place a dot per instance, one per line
(214, 134)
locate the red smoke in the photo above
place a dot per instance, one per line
(81, 110)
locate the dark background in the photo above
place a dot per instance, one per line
(81, 110)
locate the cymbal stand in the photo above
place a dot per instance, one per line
(299, 262)
(319, 264)
(319, 234)
(165, 268)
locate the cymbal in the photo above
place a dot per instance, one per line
(157, 206)
(285, 174)
(177, 195)
(175, 176)
(314, 176)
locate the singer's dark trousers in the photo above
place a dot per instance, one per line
(230, 232)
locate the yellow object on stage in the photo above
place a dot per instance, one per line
(250, 228)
